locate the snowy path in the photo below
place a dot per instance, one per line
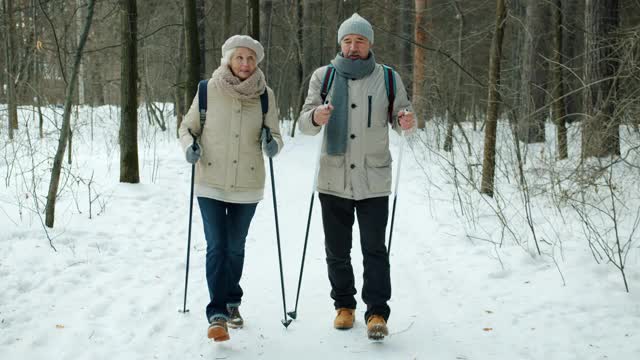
(113, 289)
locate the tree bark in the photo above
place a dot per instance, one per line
(456, 109)
(180, 88)
(253, 8)
(66, 122)
(266, 24)
(312, 48)
(573, 47)
(227, 19)
(558, 108)
(600, 128)
(81, 93)
(407, 30)
(10, 56)
(530, 121)
(299, 65)
(420, 62)
(489, 160)
(200, 15)
(193, 51)
(129, 167)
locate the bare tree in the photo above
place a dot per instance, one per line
(200, 15)
(66, 123)
(600, 131)
(10, 54)
(489, 161)
(193, 50)
(558, 108)
(266, 24)
(253, 16)
(455, 110)
(81, 95)
(129, 172)
(419, 61)
(531, 122)
(227, 19)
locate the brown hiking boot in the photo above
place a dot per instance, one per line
(344, 318)
(218, 330)
(376, 327)
(235, 319)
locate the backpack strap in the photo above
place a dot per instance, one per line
(264, 103)
(390, 84)
(202, 101)
(327, 81)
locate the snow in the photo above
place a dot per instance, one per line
(462, 289)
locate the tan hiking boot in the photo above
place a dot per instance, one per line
(376, 327)
(235, 319)
(344, 318)
(218, 330)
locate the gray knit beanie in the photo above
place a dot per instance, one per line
(356, 24)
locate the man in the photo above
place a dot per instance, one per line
(355, 169)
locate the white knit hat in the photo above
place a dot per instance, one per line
(244, 41)
(356, 24)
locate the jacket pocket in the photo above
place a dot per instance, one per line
(210, 171)
(331, 173)
(378, 168)
(251, 173)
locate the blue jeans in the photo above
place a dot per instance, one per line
(225, 227)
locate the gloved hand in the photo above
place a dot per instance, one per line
(269, 146)
(193, 153)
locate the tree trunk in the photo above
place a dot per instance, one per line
(517, 18)
(489, 160)
(406, 29)
(572, 46)
(300, 65)
(227, 19)
(253, 9)
(81, 94)
(456, 109)
(530, 121)
(37, 87)
(312, 48)
(193, 51)
(200, 15)
(600, 128)
(10, 56)
(558, 108)
(66, 122)
(129, 172)
(419, 62)
(180, 88)
(266, 24)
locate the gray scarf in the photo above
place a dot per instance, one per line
(338, 126)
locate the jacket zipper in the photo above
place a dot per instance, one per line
(369, 114)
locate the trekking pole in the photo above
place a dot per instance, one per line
(395, 191)
(285, 321)
(293, 314)
(186, 277)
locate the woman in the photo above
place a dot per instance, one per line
(230, 170)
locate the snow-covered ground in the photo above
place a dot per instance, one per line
(113, 288)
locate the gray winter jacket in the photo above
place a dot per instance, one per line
(364, 171)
